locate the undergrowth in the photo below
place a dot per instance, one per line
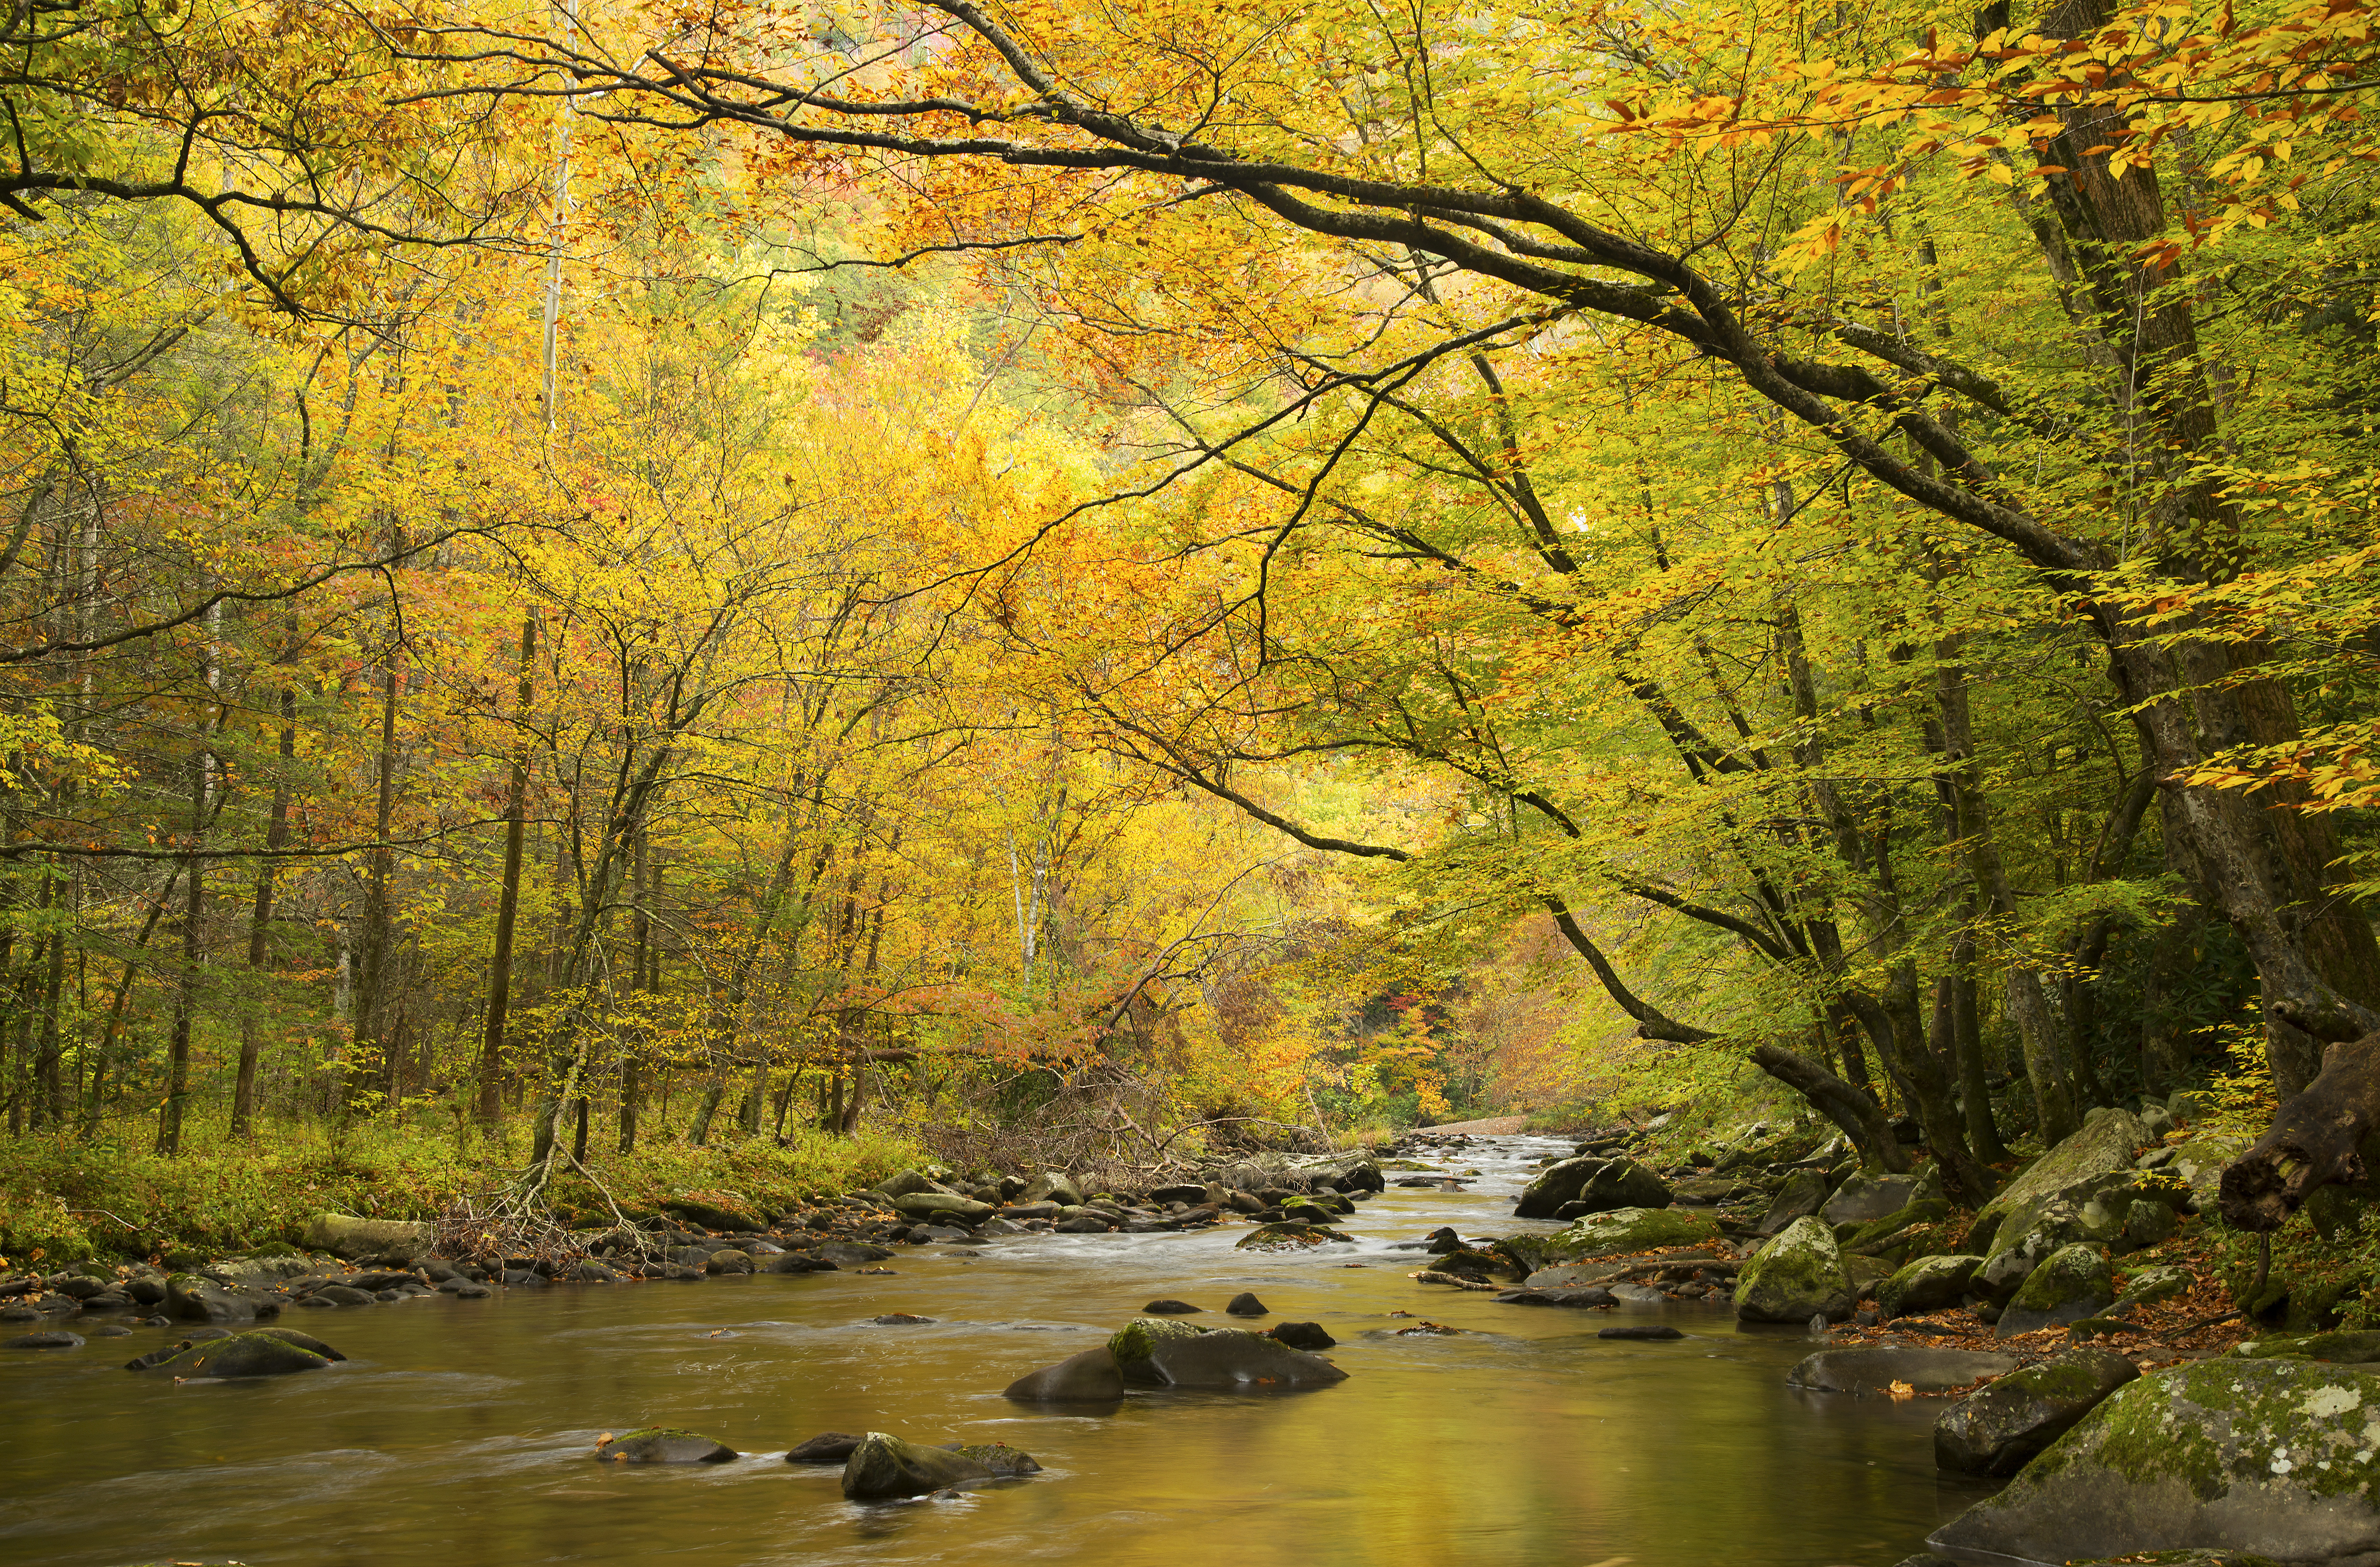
(62, 1200)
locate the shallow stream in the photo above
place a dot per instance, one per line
(461, 1431)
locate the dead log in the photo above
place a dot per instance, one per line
(2312, 1141)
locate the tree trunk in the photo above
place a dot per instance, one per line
(2312, 1142)
(1847, 1107)
(260, 923)
(500, 962)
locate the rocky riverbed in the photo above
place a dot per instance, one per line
(1527, 1389)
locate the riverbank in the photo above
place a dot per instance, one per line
(64, 1200)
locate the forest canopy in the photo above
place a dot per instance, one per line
(1130, 571)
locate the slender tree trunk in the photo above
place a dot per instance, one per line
(500, 962)
(185, 997)
(260, 922)
(1967, 1044)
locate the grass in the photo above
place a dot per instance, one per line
(64, 1200)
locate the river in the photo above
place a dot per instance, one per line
(462, 1431)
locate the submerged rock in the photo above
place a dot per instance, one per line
(1874, 1368)
(883, 1467)
(661, 1444)
(998, 1457)
(1997, 1429)
(1302, 1335)
(1795, 1277)
(1091, 1377)
(2276, 1457)
(1172, 1308)
(829, 1447)
(1290, 1235)
(1648, 1332)
(236, 1354)
(1174, 1354)
(45, 1341)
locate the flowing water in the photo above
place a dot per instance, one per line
(462, 1431)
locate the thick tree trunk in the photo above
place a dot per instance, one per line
(1931, 1098)
(1851, 1110)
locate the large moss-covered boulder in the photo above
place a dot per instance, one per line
(1804, 1192)
(1997, 1429)
(1795, 1277)
(883, 1467)
(1174, 1354)
(2341, 1349)
(1863, 1200)
(1134, 1347)
(1927, 1285)
(2072, 1282)
(344, 1235)
(241, 1355)
(2276, 1457)
(1595, 1186)
(662, 1444)
(1610, 1235)
(1895, 1227)
(2069, 1172)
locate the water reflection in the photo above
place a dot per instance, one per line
(460, 1431)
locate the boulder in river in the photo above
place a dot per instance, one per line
(1795, 1277)
(237, 1354)
(1997, 1429)
(2276, 1457)
(1597, 1185)
(1245, 1303)
(189, 1298)
(59, 1339)
(1174, 1354)
(1302, 1335)
(661, 1444)
(2072, 1282)
(341, 1294)
(1002, 1460)
(1927, 1285)
(1643, 1331)
(730, 1261)
(344, 1235)
(303, 1341)
(829, 1447)
(1874, 1368)
(1172, 1308)
(883, 1467)
(1289, 1236)
(1607, 1235)
(1091, 1377)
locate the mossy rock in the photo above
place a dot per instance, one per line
(1135, 1343)
(1795, 1277)
(1626, 1229)
(1000, 1458)
(1877, 1232)
(2072, 1282)
(1927, 1285)
(2277, 1458)
(243, 1354)
(2146, 1286)
(663, 1444)
(275, 1249)
(2344, 1349)
(1290, 1234)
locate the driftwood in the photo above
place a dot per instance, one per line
(2313, 1140)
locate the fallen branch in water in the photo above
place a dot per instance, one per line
(1432, 1276)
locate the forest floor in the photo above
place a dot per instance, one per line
(63, 1199)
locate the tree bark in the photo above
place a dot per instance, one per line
(500, 960)
(1851, 1110)
(2312, 1142)
(260, 922)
